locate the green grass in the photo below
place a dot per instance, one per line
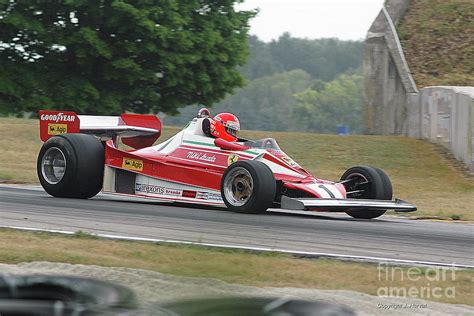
(227, 265)
(5, 176)
(419, 173)
(437, 37)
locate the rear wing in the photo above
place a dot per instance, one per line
(135, 130)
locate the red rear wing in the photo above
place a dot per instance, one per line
(136, 130)
(53, 123)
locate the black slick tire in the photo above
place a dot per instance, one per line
(263, 191)
(84, 166)
(379, 188)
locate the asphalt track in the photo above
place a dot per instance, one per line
(386, 237)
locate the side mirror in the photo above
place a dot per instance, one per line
(223, 144)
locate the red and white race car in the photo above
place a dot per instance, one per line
(81, 156)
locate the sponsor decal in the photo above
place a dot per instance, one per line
(202, 195)
(209, 196)
(201, 156)
(164, 191)
(56, 129)
(214, 196)
(189, 194)
(147, 188)
(232, 158)
(154, 189)
(132, 164)
(173, 192)
(60, 117)
(289, 161)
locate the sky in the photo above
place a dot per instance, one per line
(344, 19)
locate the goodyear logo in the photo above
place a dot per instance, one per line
(56, 129)
(57, 117)
(132, 164)
(232, 158)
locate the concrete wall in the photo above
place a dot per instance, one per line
(393, 104)
(446, 116)
(388, 81)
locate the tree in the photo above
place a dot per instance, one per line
(295, 85)
(264, 104)
(292, 101)
(260, 62)
(110, 56)
(338, 102)
(323, 58)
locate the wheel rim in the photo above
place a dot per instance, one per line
(53, 165)
(238, 186)
(359, 187)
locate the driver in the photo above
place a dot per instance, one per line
(225, 126)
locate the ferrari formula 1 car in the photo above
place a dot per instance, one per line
(81, 156)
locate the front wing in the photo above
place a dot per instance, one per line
(338, 205)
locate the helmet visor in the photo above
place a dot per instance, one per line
(231, 131)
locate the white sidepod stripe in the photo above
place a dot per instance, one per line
(276, 168)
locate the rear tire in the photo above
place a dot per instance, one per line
(71, 166)
(248, 187)
(379, 187)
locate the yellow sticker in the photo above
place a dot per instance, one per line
(232, 158)
(132, 164)
(56, 129)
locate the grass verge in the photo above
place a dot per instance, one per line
(419, 172)
(437, 38)
(233, 266)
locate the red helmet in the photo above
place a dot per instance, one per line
(225, 126)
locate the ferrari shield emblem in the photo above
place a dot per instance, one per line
(232, 158)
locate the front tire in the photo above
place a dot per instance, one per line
(373, 183)
(248, 187)
(71, 166)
